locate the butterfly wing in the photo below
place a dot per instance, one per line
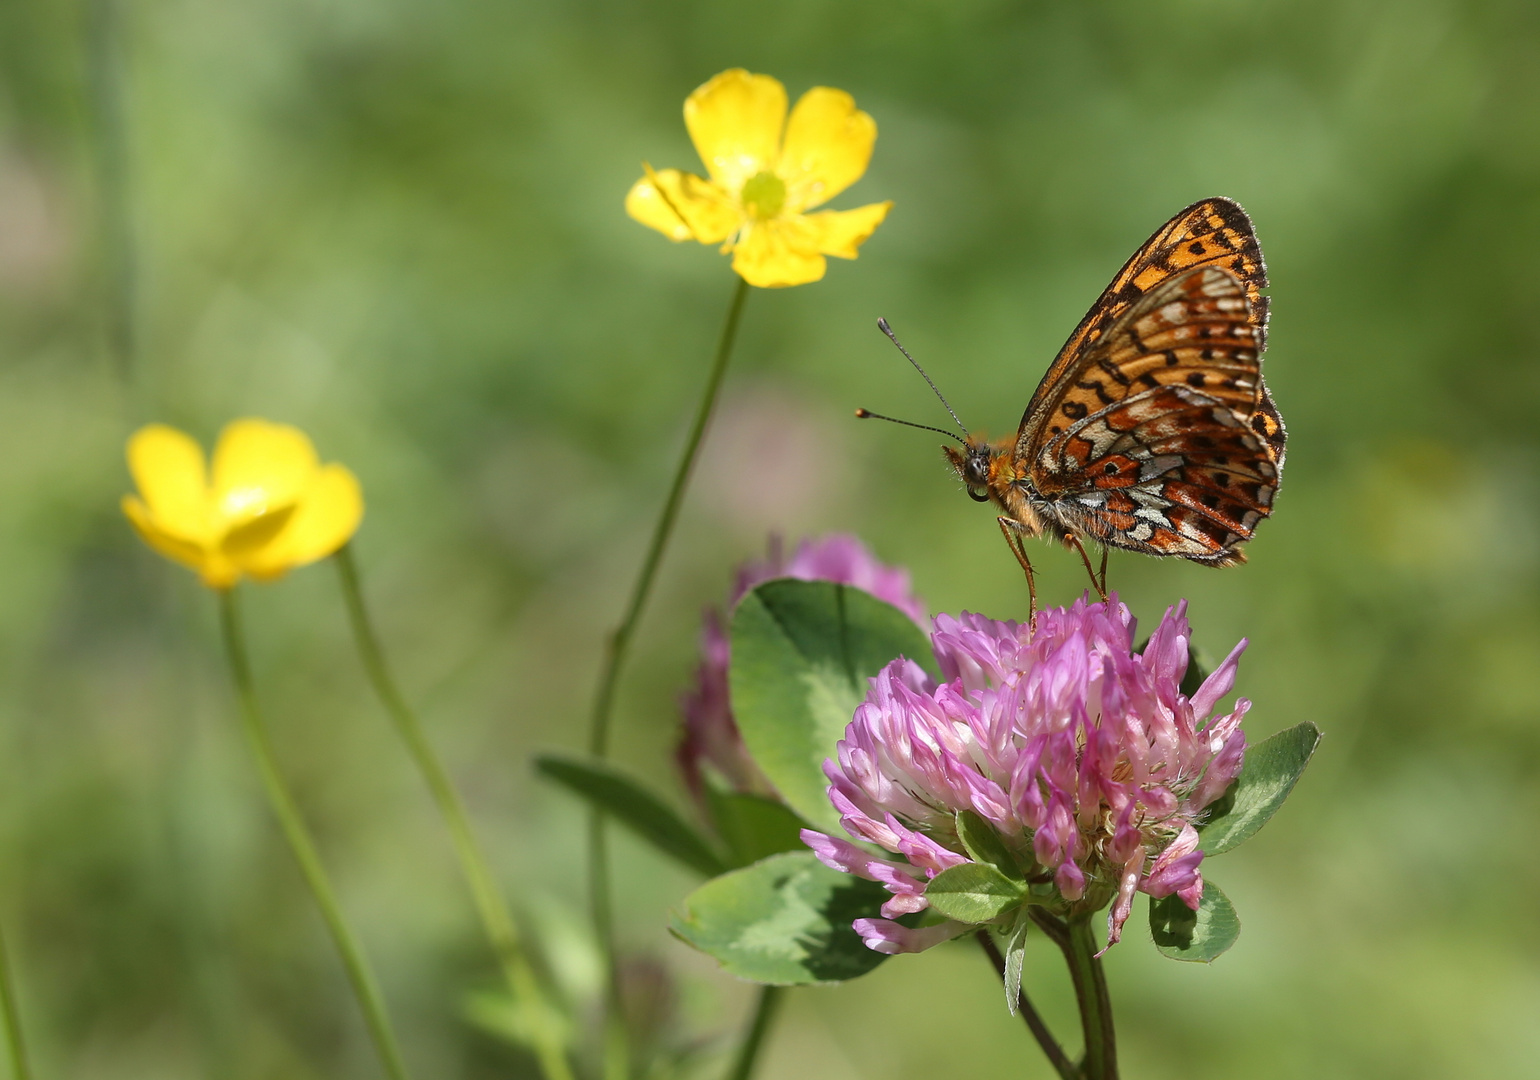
(1149, 442)
(1213, 232)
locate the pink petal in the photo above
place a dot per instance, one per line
(886, 936)
(1128, 884)
(1218, 684)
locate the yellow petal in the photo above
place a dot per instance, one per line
(326, 517)
(260, 467)
(828, 145)
(778, 253)
(683, 207)
(841, 232)
(167, 466)
(735, 122)
(248, 540)
(173, 547)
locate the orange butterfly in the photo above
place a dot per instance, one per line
(1152, 430)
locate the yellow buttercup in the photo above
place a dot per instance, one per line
(266, 506)
(766, 172)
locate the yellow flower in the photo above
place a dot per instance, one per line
(269, 506)
(763, 183)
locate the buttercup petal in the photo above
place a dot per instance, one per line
(828, 146)
(249, 539)
(735, 122)
(683, 207)
(325, 517)
(168, 469)
(171, 546)
(260, 467)
(841, 232)
(778, 253)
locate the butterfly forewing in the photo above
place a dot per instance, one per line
(1213, 232)
(1194, 329)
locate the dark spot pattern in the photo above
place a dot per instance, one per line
(1100, 391)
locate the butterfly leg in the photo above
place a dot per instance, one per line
(1099, 585)
(1013, 538)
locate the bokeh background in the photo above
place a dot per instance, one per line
(398, 224)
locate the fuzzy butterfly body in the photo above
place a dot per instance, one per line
(1152, 430)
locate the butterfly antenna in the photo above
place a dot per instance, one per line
(867, 414)
(882, 324)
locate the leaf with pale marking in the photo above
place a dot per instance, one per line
(1267, 776)
(783, 921)
(1196, 936)
(802, 652)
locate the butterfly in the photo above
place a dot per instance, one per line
(1152, 430)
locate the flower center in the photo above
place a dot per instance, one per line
(764, 194)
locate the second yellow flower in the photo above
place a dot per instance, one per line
(766, 172)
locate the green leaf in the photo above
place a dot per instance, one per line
(784, 921)
(1268, 775)
(754, 827)
(973, 893)
(802, 654)
(984, 845)
(634, 806)
(1198, 936)
(1015, 954)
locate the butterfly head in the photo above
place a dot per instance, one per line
(975, 463)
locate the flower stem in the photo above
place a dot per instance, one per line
(106, 68)
(365, 989)
(1085, 970)
(11, 1017)
(1050, 1046)
(609, 676)
(764, 1013)
(492, 907)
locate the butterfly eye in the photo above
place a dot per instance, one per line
(978, 496)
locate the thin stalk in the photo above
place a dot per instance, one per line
(365, 988)
(764, 1013)
(1085, 970)
(11, 1016)
(496, 917)
(616, 1066)
(107, 78)
(1050, 1046)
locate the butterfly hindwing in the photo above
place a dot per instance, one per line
(1151, 447)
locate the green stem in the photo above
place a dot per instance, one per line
(11, 1017)
(1029, 1015)
(764, 1013)
(616, 1066)
(1085, 970)
(105, 67)
(300, 843)
(496, 917)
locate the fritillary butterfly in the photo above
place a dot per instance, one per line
(1152, 430)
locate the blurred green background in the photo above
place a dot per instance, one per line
(398, 224)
